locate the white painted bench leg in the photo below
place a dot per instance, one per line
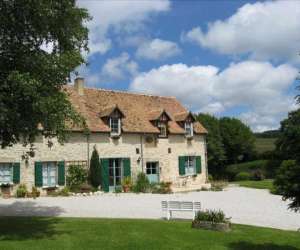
(168, 215)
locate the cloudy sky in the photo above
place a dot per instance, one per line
(233, 58)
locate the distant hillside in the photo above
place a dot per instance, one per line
(265, 141)
(268, 134)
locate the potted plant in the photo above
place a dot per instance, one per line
(212, 220)
(126, 184)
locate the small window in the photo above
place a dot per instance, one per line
(189, 129)
(162, 128)
(137, 150)
(5, 173)
(49, 174)
(169, 150)
(190, 165)
(151, 168)
(115, 125)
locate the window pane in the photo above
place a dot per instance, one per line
(114, 125)
(5, 172)
(49, 173)
(148, 169)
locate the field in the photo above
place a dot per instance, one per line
(265, 144)
(69, 233)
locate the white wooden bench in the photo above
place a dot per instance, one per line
(170, 206)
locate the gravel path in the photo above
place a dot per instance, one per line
(244, 205)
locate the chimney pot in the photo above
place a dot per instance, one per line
(79, 85)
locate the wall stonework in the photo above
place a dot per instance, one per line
(76, 149)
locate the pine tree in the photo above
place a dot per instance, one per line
(95, 169)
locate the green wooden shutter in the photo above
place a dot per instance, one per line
(198, 164)
(38, 174)
(105, 174)
(126, 166)
(181, 162)
(16, 172)
(61, 173)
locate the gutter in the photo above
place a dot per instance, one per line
(142, 152)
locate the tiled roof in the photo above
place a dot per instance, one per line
(138, 110)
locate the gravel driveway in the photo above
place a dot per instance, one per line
(244, 205)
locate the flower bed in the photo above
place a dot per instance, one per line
(212, 220)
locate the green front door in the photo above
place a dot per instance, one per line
(115, 171)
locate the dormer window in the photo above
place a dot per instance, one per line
(162, 126)
(189, 130)
(115, 126)
(112, 117)
(186, 121)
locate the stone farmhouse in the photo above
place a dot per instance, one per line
(132, 133)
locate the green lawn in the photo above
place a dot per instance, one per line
(70, 233)
(264, 184)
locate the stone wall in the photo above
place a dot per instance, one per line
(164, 150)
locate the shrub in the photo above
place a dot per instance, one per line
(21, 191)
(213, 216)
(287, 183)
(118, 190)
(210, 178)
(161, 188)
(76, 176)
(218, 185)
(232, 170)
(242, 176)
(142, 184)
(64, 192)
(95, 169)
(35, 192)
(258, 175)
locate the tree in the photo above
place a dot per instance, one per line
(287, 180)
(238, 140)
(287, 183)
(95, 169)
(288, 144)
(215, 147)
(31, 79)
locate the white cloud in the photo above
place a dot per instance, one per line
(265, 30)
(255, 86)
(121, 16)
(157, 49)
(118, 68)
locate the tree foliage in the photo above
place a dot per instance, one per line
(215, 147)
(95, 169)
(238, 140)
(31, 79)
(288, 144)
(287, 183)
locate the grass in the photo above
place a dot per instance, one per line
(265, 144)
(77, 233)
(264, 184)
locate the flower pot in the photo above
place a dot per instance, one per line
(126, 188)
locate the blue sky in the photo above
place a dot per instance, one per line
(233, 58)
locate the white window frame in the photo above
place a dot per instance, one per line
(111, 125)
(189, 129)
(46, 170)
(152, 165)
(162, 129)
(8, 167)
(190, 165)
